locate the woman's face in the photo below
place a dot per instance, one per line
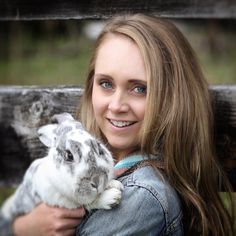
(119, 93)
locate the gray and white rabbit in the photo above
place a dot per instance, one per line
(78, 171)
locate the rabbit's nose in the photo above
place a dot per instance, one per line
(95, 182)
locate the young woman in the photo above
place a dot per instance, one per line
(147, 99)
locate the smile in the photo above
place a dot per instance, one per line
(121, 124)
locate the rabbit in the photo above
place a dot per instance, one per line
(77, 171)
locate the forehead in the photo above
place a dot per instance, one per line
(119, 55)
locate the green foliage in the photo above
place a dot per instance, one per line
(214, 45)
(225, 198)
(50, 58)
(4, 193)
(59, 61)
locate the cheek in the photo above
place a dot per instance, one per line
(139, 109)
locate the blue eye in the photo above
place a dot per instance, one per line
(106, 84)
(140, 89)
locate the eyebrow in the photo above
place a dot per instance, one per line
(103, 76)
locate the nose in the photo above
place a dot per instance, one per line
(118, 102)
(94, 185)
(95, 182)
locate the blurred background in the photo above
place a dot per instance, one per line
(58, 52)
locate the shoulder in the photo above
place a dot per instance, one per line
(154, 182)
(151, 186)
(146, 208)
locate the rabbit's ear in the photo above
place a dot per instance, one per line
(47, 135)
(59, 118)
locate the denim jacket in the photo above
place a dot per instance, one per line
(149, 206)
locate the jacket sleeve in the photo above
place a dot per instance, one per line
(139, 213)
(5, 227)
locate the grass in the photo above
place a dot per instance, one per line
(216, 52)
(219, 67)
(64, 60)
(63, 63)
(5, 192)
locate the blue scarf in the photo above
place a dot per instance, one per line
(127, 163)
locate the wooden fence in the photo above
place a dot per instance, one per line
(24, 109)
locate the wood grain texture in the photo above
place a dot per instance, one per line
(225, 128)
(97, 9)
(24, 109)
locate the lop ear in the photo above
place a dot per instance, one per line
(47, 135)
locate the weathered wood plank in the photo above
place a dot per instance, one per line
(74, 9)
(225, 128)
(24, 109)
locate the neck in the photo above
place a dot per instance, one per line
(119, 155)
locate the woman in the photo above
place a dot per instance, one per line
(147, 99)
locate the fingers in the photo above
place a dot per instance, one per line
(45, 220)
(59, 221)
(65, 224)
(70, 232)
(69, 213)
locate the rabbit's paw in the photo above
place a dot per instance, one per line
(108, 199)
(115, 184)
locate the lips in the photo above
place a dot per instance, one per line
(121, 124)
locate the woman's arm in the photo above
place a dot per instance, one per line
(46, 220)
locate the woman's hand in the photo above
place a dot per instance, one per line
(45, 220)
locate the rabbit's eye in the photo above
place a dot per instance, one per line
(69, 156)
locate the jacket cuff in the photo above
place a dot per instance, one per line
(6, 227)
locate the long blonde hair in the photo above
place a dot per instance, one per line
(178, 120)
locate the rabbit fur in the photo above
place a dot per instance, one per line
(78, 171)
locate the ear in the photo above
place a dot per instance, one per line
(59, 118)
(47, 135)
